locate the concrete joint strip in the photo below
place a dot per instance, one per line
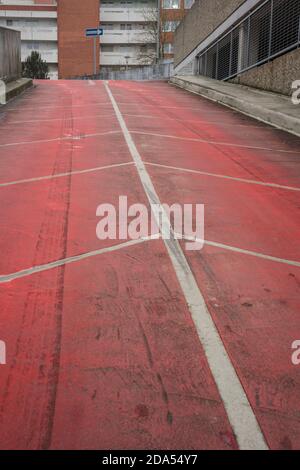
(262, 113)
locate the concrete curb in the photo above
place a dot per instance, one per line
(262, 113)
(13, 89)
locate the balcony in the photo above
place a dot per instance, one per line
(50, 55)
(114, 58)
(127, 15)
(117, 36)
(38, 34)
(18, 14)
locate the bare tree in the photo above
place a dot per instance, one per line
(151, 37)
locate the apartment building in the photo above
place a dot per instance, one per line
(37, 21)
(136, 32)
(130, 33)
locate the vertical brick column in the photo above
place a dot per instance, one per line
(176, 14)
(75, 51)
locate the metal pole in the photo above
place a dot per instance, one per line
(217, 62)
(158, 31)
(241, 46)
(271, 29)
(95, 55)
(231, 53)
(248, 43)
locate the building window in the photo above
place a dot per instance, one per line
(170, 26)
(168, 48)
(34, 46)
(188, 4)
(107, 26)
(127, 27)
(9, 22)
(171, 4)
(107, 48)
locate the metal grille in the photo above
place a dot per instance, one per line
(146, 72)
(270, 30)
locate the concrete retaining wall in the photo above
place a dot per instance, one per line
(10, 54)
(277, 75)
(202, 19)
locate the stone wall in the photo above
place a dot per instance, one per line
(10, 54)
(277, 75)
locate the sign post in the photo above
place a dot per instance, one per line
(94, 33)
(95, 55)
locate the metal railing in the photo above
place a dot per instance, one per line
(270, 30)
(146, 72)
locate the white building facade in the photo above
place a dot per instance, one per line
(130, 33)
(38, 29)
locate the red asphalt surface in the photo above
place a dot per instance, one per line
(103, 353)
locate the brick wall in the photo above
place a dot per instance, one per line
(170, 15)
(75, 51)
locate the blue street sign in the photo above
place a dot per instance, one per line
(93, 32)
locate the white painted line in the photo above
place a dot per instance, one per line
(58, 139)
(242, 251)
(61, 175)
(157, 106)
(198, 121)
(213, 142)
(144, 116)
(238, 408)
(226, 177)
(73, 118)
(73, 259)
(24, 109)
(91, 83)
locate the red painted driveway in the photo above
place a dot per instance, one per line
(103, 353)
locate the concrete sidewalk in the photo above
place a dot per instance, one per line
(271, 108)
